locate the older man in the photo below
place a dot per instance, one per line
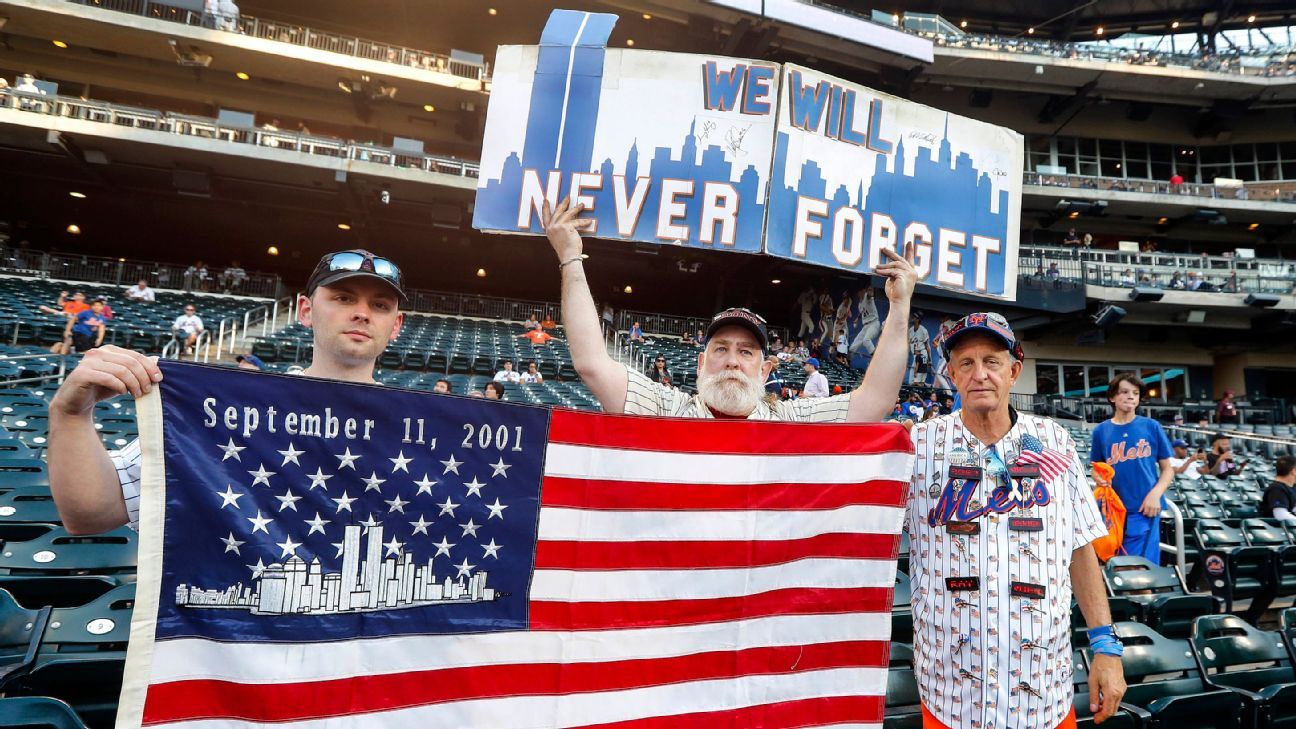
(732, 368)
(1001, 519)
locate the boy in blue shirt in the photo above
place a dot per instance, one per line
(1139, 451)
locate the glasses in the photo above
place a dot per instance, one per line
(360, 261)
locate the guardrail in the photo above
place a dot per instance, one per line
(298, 35)
(125, 271)
(57, 375)
(1276, 191)
(1170, 271)
(195, 126)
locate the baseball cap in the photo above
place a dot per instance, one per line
(813, 362)
(1179, 443)
(341, 265)
(251, 359)
(988, 322)
(746, 318)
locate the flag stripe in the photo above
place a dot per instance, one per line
(653, 467)
(183, 659)
(578, 555)
(608, 707)
(562, 524)
(744, 438)
(828, 711)
(796, 601)
(638, 495)
(366, 693)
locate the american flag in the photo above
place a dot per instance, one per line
(1052, 463)
(485, 564)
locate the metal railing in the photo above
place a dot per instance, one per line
(1169, 271)
(1277, 191)
(57, 375)
(207, 128)
(298, 35)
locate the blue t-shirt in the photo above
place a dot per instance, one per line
(84, 322)
(1132, 450)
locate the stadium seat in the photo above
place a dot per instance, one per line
(21, 630)
(1165, 604)
(97, 629)
(37, 712)
(1127, 717)
(903, 707)
(59, 553)
(1234, 569)
(1165, 681)
(901, 610)
(16, 471)
(1252, 663)
(1264, 533)
(28, 504)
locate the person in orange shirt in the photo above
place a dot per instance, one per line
(68, 306)
(537, 336)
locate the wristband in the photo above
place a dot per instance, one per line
(1103, 641)
(563, 265)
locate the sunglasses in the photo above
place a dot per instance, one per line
(357, 261)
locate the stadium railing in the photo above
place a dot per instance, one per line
(347, 45)
(1127, 269)
(1274, 191)
(196, 126)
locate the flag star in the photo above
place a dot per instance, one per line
(400, 462)
(465, 569)
(451, 465)
(396, 504)
(346, 460)
(288, 546)
(317, 525)
(257, 568)
(259, 523)
(443, 547)
(290, 455)
(491, 549)
(229, 498)
(232, 544)
(344, 502)
(470, 528)
(420, 526)
(370, 523)
(340, 548)
(373, 483)
(318, 478)
(475, 487)
(288, 501)
(231, 451)
(425, 486)
(393, 547)
(261, 475)
(500, 468)
(496, 509)
(448, 508)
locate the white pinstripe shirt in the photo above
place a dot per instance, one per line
(987, 658)
(645, 397)
(127, 463)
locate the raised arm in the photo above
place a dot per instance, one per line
(604, 376)
(875, 398)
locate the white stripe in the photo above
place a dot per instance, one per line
(636, 585)
(721, 526)
(197, 658)
(571, 61)
(553, 712)
(574, 461)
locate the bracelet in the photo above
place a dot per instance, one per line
(1103, 641)
(581, 257)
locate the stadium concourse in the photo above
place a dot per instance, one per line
(1157, 236)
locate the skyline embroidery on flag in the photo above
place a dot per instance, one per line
(315, 552)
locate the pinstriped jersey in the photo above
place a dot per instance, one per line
(990, 572)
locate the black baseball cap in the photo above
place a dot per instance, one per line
(746, 318)
(342, 265)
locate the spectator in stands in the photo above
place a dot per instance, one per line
(443, 387)
(1087, 241)
(1072, 238)
(1053, 272)
(507, 374)
(494, 390)
(353, 312)
(1194, 282)
(1226, 409)
(141, 292)
(68, 306)
(802, 351)
(532, 322)
(232, 278)
(249, 362)
(686, 338)
(947, 406)
(699, 339)
(786, 354)
(195, 277)
(532, 376)
(1190, 467)
(86, 330)
(816, 385)
(187, 327)
(1176, 182)
(1221, 460)
(1279, 500)
(548, 323)
(1137, 448)
(1127, 278)
(913, 406)
(732, 367)
(636, 334)
(659, 370)
(774, 383)
(1175, 281)
(536, 336)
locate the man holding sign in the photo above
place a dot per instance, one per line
(732, 368)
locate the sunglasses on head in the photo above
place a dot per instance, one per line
(357, 261)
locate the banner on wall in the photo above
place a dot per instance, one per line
(743, 155)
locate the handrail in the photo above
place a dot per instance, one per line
(1280, 191)
(62, 369)
(344, 44)
(1170, 271)
(207, 128)
(1177, 549)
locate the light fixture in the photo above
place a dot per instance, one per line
(1074, 214)
(647, 16)
(1118, 165)
(1100, 30)
(74, 229)
(630, 41)
(628, 289)
(1174, 25)
(429, 108)
(1250, 18)
(242, 76)
(962, 23)
(481, 273)
(493, 11)
(273, 250)
(1162, 220)
(895, 17)
(344, 226)
(776, 281)
(121, 260)
(1030, 31)
(1253, 226)
(344, 85)
(61, 44)
(1152, 392)
(77, 195)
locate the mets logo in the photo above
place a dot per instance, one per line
(956, 504)
(974, 320)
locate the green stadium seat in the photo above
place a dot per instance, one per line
(1252, 663)
(93, 629)
(19, 471)
(903, 706)
(37, 712)
(1234, 569)
(59, 553)
(1165, 681)
(1265, 533)
(1164, 602)
(1128, 717)
(902, 610)
(21, 630)
(28, 504)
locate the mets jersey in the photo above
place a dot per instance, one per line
(991, 533)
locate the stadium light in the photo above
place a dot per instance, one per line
(630, 41)
(1251, 18)
(628, 289)
(493, 11)
(77, 195)
(1253, 226)
(273, 250)
(647, 16)
(344, 226)
(59, 44)
(429, 108)
(74, 229)
(242, 76)
(776, 281)
(963, 24)
(1174, 25)
(1099, 31)
(1030, 31)
(481, 273)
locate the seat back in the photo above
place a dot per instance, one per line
(1235, 654)
(902, 686)
(1263, 533)
(1215, 534)
(100, 625)
(59, 553)
(1138, 579)
(1156, 667)
(38, 712)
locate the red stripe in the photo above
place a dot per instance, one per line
(279, 702)
(790, 714)
(578, 555)
(547, 615)
(640, 496)
(739, 437)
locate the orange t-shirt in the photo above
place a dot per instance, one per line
(539, 336)
(74, 307)
(548, 324)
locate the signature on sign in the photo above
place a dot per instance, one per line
(927, 137)
(734, 139)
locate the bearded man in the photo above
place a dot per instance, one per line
(732, 368)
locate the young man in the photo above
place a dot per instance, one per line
(442, 387)
(494, 390)
(1279, 501)
(1221, 462)
(1001, 518)
(732, 368)
(1139, 451)
(507, 374)
(1190, 467)
(352, 305)
(85, 331)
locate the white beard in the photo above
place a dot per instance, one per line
(730, 392)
